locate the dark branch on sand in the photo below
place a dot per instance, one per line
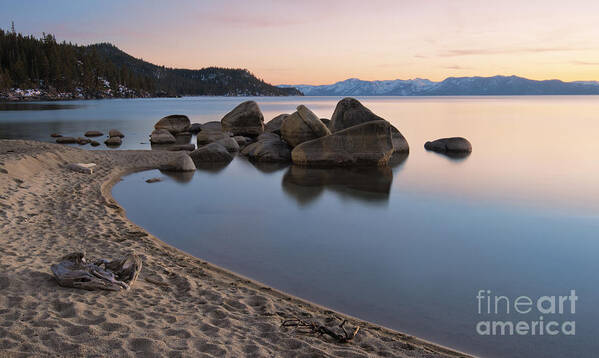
(314, 327)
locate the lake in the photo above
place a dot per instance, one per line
(409, 246)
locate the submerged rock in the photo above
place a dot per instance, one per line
(66, 140)
(153, 180)
(55, 135)
(83, 141)
(302, 126)
(449, 145)
(211, 153)
(93, 134)
(246, 119)
(113, 141)
(181, 147)
(175, 123)
(367, 144)
(162, 136)
(115, 133)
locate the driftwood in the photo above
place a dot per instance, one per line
(314, 327)
(75, 271)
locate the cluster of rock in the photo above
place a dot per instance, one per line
(114, 138)
(354, 136)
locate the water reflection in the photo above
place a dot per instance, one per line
(453, 156)
(20, 106)
(268, 168)
(305, 185)
(179, 177)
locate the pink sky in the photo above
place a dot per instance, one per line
(318, 42)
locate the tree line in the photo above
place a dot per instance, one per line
(43, 63)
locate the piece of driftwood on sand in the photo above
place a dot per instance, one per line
(75, 271)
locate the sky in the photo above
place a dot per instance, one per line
(325, 41)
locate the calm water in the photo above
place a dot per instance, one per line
(408, 247)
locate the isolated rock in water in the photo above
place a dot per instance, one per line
(113, 141)
(207, 137)
(153, 180)
(229, 143)
(66, 140)
(75, 271)
(211, 153)
(55, 135)
(268, 148)
(302, 126)
(212, 126)
(195, 128)
(449, 145)
(246, 119)
(94, 143)
(83, 141)
(274, 125)
(182, 163)
(93, 134)
(180, 147)
(350, 112)
(367, 144)
(175, 123)
(400, 144)
(162, 136)
(115, 133)
(86, 168)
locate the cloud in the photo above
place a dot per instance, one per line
(457, 67)
(498, 51)
(585, 63)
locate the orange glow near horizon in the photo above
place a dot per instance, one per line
(321, 42)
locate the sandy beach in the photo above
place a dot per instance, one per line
(181, 306)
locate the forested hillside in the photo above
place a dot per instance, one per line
(45, 68)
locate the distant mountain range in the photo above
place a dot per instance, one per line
(451, 86)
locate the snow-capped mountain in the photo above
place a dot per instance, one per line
(451, 86)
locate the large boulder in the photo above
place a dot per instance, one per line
(350, 112)
(400, 144)
(211, 153)
(268, 148)
(207, 137)
(175, 123)
(162, 136)
(246, 119)
(367, 144)
(274, 125)
(302, 126)
(212, 126)
(229, 143)
(449, 145)
(182, 163)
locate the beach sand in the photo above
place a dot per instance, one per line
(181, 306)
